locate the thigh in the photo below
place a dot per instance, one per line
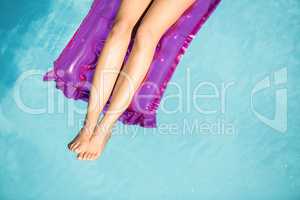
(164, 13)
(132, 10)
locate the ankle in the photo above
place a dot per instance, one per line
(87, 130)
(89, 124)
(102, 129)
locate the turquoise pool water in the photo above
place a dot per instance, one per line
(213, 142)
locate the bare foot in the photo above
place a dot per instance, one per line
(81, 141)
(96, 145)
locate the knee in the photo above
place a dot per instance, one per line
(121, 27)
(145, 36)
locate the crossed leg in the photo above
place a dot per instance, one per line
(108, 67)
(160, 16)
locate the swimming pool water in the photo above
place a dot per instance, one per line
(212, 142)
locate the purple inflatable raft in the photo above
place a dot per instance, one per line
(74, 68)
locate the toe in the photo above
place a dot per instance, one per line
(85, 156)
(89, 156)
(94, 156)
(80, 156)
(70, 145)
(75, 147)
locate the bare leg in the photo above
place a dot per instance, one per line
(108, 67)
(160, 16)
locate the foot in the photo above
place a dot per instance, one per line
(81, 141)
(96, 145)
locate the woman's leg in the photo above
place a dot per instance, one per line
(108, 67)
(160, 16)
